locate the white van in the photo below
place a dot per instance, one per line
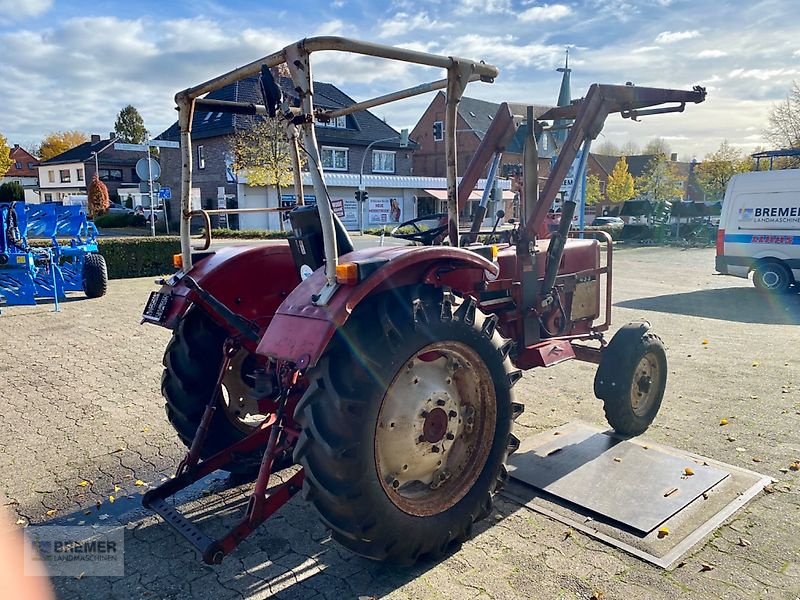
(759, 229)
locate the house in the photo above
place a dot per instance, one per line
(68, 173)
(351, 145)
(23, 171)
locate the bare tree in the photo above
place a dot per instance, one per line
(783, 128)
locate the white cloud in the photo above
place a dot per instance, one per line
(483, 6)
(546, 12)
(643, 49)
(403, 22)
(763, 74)
(670, 37)
(16, 10)
(711, 54)
(796, 53)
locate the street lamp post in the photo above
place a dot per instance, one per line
(403, 143)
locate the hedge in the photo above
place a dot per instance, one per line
(139, 256)
(248, 234)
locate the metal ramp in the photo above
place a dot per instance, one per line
(623, 491)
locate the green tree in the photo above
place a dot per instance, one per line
(129, 126)
(660, 181)
(593, 195)
(718, 167)
(98, 200)
(263, 151)
(59, 142)
(619, 186)
(12, 191)
(783, 125)
(5, 156)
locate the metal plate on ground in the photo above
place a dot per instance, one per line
(635, 485)
(611, 500)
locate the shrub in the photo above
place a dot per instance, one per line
(118, 220)
(248, 234)
(139, 256)
(615, 231)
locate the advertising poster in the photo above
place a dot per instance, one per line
(385, 210)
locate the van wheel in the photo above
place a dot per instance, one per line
(773, 277)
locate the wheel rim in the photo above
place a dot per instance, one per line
(771, 279)
(644, 387)
(238, 399)
(435, 428)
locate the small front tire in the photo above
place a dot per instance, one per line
(95, 276)
(631, 380)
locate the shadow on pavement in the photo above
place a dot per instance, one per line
(740, 304)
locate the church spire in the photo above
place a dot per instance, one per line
(564, 99)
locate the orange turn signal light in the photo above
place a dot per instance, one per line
(347, 273)
(177, 261)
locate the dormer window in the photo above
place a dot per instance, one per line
(337, 122)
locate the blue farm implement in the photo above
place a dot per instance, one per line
(29, 273)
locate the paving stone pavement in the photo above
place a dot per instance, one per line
(81, 403)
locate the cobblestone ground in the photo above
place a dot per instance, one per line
(81, 403)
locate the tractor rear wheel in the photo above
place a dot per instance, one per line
(192, 362)
(406, 425)
(95, 275)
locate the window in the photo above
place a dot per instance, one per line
(382, 161)
(337, 122)
(334, 159)
(602, 187)
(17, 165)
(64, 175)
(80, 175)
(110, 174)
(438, 131)
(48, 197)
(201, 158)
(51, 176)
(30, 165)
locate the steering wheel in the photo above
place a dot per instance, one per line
(425, 230)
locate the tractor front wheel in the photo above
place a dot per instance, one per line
(406, 425)
(631, 379)
(95, 275)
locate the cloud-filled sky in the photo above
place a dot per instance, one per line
(74, 64)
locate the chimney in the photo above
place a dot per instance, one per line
(674, 157)
(95, 138)
(112, 135)
(16, 146)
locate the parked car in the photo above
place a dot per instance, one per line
(600, 221)
(144, 211)
(115, 208)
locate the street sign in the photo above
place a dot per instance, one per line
(148, 168)
(165, 193)
(144, 187)
(131, 147)
(165, 144)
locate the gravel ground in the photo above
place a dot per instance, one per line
(82, 404)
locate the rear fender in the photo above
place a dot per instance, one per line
(300, 330)
(251, 281)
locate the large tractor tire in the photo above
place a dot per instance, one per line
(192, 362)
(406, 425)
(95, 276)
(632, 378)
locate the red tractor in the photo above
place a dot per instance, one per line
(387, 373)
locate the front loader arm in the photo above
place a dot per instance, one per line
(590, 114)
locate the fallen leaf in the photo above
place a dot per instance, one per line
(87, 512)
(117, 488)
(688, 471)
(51, 512)
(681, 564)
(744, 543)
(21, 521)
(139, 482)
(598, 595)
(755, 363)
(795, 466)
(663, 532)
(145, 430)
(617, 459)
(753, 397)
(731, 438)
(783, 470)
(706, 567)
(757, 459)
(740, 449)
(723, 422)
(83, 483)
(705, 342)
(111, 499)
(568, 534)
(768, 489)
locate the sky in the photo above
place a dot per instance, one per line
(72, 65)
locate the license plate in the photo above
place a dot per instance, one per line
(156, 307)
